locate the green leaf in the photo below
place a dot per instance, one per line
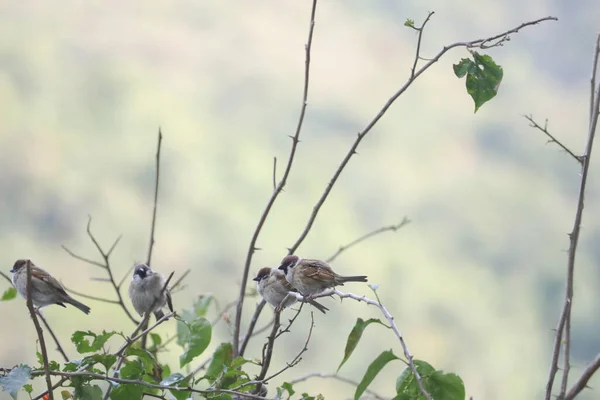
(127, 391)
(172, 379)
(201, 306)
(355, 335)
(156, 340)
(409, 23)
(89, 392)
(14, 381)
(177, 380)
(483, 77)
(372, 371)
(106, 360)
(221, 360)
(288, 388)
(66, 395)
(131, 370)
(438, 384)
(465, 65)
(9, 294)
(198, 338)
(146, 358)
(83, 345)
(28, 388)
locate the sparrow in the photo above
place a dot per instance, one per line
(274, 288)
(311, 277)
(45, 289)
(146, 291)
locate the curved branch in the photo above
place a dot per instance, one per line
(276, 191)
(393, 228)
(413, 76)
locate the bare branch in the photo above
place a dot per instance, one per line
(583, 380)
(417, 55)
(38, 329)
(153, 226)
(393, 228)
(393, 326)
(101, 377)
(253, 321)
(6, 277)
(336, 377)
(278, 189)
(574, 240)
(544, 129)
(87, 296)
(59, 347)
(274, 173)
(106, 266)
(177, 283)
(413, 76)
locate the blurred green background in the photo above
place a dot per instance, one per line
(475, 281)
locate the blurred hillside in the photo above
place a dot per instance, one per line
(475, 281)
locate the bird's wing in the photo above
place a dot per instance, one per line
(284, 282)
(44, 282)
(318, 271)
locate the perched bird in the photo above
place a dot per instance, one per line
(311, 277)
(45, 290)
(146, 291)
(274, 288)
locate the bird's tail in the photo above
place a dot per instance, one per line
(78, 304)
(318, 306)
(159, 314)
(343, 279)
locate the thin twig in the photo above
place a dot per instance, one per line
(291, 322)
(6, 277)
(40, 334)
(101, 377)
(336, 377)
(253, 321)
(87, 296)
(544, 129)
(175, 286)
(420, 30)
(574, 240)
(393, 228)
(106, 266)
(583, 379)
(268, 352)
(393, 326)
(274, 173)
(298, 357)
(260, 381)
(156, 181)
(59, 347)
(276, 191)
(383, 110)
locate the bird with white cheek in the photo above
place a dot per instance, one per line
(45, 289)
(311, 277)
(146, 291)
(277, 291)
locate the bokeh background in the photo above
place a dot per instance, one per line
(475, 281)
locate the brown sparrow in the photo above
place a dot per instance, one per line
(275, 289)
(311, 277)
(145, 291)
(45, 290)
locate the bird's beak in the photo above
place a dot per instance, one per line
(256, 279)
(281, 267)
(12, 270)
